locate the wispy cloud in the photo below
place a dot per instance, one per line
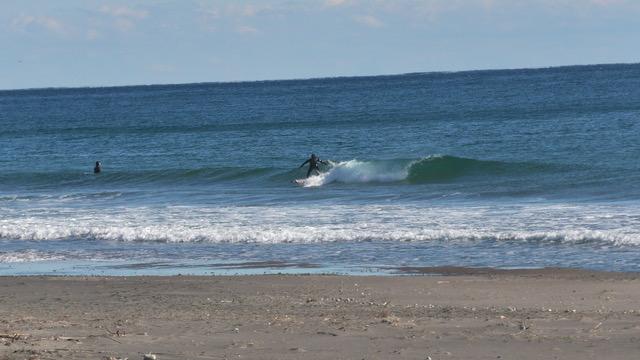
(334, 3)
(217, 15)
(239, 9)
(124, 17)
(48, 23)
(124, 11)
(368, 20)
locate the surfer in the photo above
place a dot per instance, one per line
(98, 168)
(313, 164)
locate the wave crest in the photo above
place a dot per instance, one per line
(436, 168)
(306, 235)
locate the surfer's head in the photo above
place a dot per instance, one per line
(313, 156)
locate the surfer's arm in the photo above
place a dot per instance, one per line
(304, 163)
(323, 162)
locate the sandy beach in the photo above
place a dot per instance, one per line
(458, 314)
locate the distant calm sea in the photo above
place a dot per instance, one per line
(509, 168)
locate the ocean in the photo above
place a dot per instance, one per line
(504, 168)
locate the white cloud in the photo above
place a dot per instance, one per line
(48, 23)
(124, 11)
(217, 16)
(124, 17)
(368, 20)
(334, 3)
(239, 10)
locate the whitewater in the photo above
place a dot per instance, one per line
(290, 224)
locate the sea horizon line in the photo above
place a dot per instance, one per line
(316, 78)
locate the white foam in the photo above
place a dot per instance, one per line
(613, 225)
(355, 171)
(27, 256)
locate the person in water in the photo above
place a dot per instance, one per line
(98, 168)
(313, 164)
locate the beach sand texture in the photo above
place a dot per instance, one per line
(463, 314)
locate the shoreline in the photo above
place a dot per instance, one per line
(278, 268)
(466, 314)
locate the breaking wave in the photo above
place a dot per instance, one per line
(305, 235)
(172, 233)
(431, 169)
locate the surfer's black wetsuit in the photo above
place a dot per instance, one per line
(313, 164)
(98, 168)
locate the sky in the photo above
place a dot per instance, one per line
(71, 43)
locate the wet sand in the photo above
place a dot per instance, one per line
(460, 314)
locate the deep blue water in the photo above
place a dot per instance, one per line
(510, 168)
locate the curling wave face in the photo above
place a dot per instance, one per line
(431, 169)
